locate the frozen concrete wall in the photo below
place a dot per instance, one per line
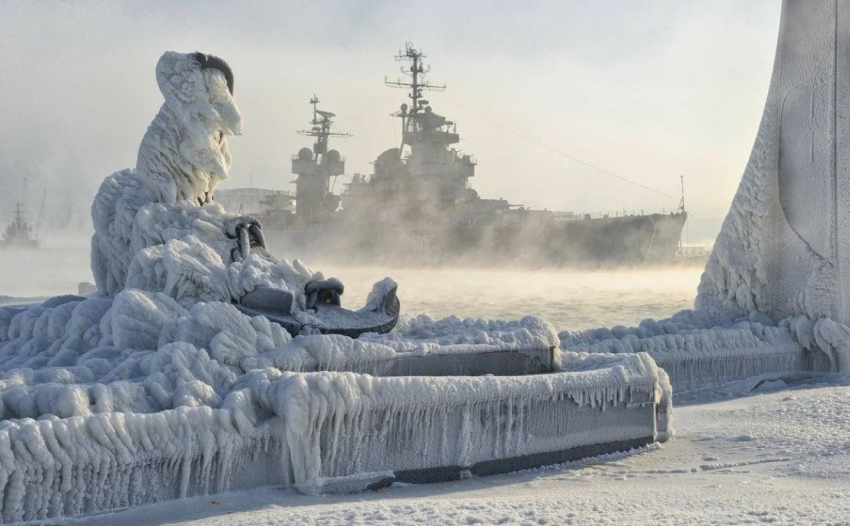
(784, 248)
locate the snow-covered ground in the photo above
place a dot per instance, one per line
(776, 454)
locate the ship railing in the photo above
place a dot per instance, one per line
(522, 217)
(294, 157)
(694, 250)
(625, 212)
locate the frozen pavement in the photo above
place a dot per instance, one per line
(778, 455)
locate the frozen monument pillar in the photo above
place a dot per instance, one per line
(784, 248)
(774, 299)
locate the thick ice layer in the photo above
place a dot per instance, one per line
(182, 158)
(299, 429)
(151, 232)
(783, 248)
(420, 336)
(164, 389)
(114, 402)
(774, 296)
(182, 250)
(698, 349)
(143, 352)
(159, 387)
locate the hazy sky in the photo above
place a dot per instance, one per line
(647, 90)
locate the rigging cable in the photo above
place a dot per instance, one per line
(542, 145)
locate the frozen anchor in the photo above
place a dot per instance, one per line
(326, 314)
(379, 315)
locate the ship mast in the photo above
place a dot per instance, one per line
(321, 128)
(19, 215)
(313, 198)
(416, 84)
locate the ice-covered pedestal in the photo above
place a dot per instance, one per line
(92, 421)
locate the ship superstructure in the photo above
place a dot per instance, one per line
(314, 168)
(437, 170)
(18, 234)
(425, 175)
(417, 207)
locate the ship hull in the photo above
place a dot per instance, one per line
(598, 242)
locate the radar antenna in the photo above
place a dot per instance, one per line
(321, 128)
(416, 71)
(417, 117)
(313, 197)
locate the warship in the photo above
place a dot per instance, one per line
(18, 234)
(417, 208)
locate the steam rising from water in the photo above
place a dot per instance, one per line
(43, 272)
(568, 299)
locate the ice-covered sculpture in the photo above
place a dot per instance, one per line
(182, 157)
(158, 229)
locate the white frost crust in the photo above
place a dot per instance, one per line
(779, 250)
(296, 429)
(103, 393)
(783, 250)
(180, 249)
(420, 335)
(423, 334)
(702, 349)
(829, 341)
(159, 387)
(144, 352)
(773, 297)
(183, 155)
(151, 232)
(170, 385)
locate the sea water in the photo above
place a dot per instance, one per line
(569, 299)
